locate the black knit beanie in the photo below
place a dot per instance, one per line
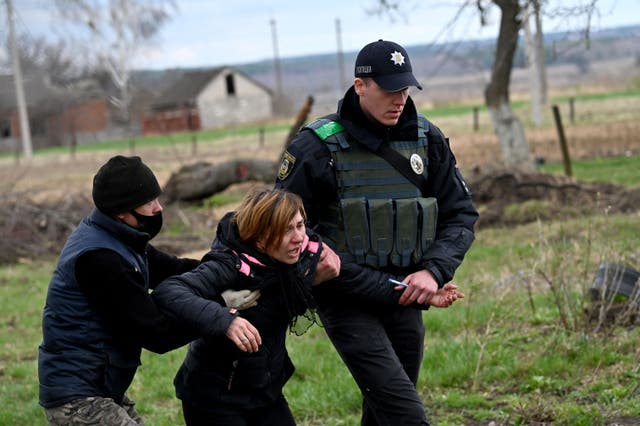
(123, 184)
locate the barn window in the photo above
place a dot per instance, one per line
(231, 85)
(5, 129)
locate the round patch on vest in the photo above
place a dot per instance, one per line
(416, 164)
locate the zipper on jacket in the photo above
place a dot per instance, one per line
(233, 371)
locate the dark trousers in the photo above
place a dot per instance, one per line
(276, 414)
(383, 351)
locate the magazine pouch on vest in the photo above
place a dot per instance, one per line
(428, 213)
(380, 232)
(406, 225)
(354, 214)
(380, 218)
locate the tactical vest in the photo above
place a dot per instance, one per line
(381, 218)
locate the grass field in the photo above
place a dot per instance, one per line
(621, 170)
(517, 350)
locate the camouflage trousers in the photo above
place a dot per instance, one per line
(95, 411)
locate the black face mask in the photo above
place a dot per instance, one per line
(148, 224)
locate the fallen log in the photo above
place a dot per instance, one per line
(201, 180)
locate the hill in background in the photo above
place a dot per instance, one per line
(449, 72)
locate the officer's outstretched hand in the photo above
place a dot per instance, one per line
(328, 266)
(421, 286)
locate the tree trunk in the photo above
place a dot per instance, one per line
(534, 48)
(542, 65)
(507, 126)
(533, 69)
(510, 133)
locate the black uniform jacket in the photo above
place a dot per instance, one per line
(311, 176)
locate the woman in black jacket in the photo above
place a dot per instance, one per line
(235, 373)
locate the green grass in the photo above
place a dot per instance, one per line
(451, 110)
(22, 292)
(622, 170)
(222, 199)
(599, 96)
(501, 354)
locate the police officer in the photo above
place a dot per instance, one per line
(380, 184)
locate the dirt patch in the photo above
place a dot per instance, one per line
(32, 229)
(511, 197)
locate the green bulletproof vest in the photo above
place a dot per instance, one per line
(381, 219)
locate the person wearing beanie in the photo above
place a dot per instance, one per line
(99, 313)
(381, 186)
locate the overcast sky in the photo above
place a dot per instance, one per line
(232, 32)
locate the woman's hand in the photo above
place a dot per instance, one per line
(244, 335)
(445, 296)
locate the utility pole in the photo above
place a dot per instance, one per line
(25, 131)
(342, 80)
(276, 58)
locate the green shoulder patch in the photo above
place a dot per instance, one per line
(288, 161)
(329, 128)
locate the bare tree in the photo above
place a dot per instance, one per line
(534, 49)
(113, 32)
(534, 44)
(58, 83)
(54, 59)
(506, 124)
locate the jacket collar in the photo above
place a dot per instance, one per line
(128, 235)
(373, 133)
